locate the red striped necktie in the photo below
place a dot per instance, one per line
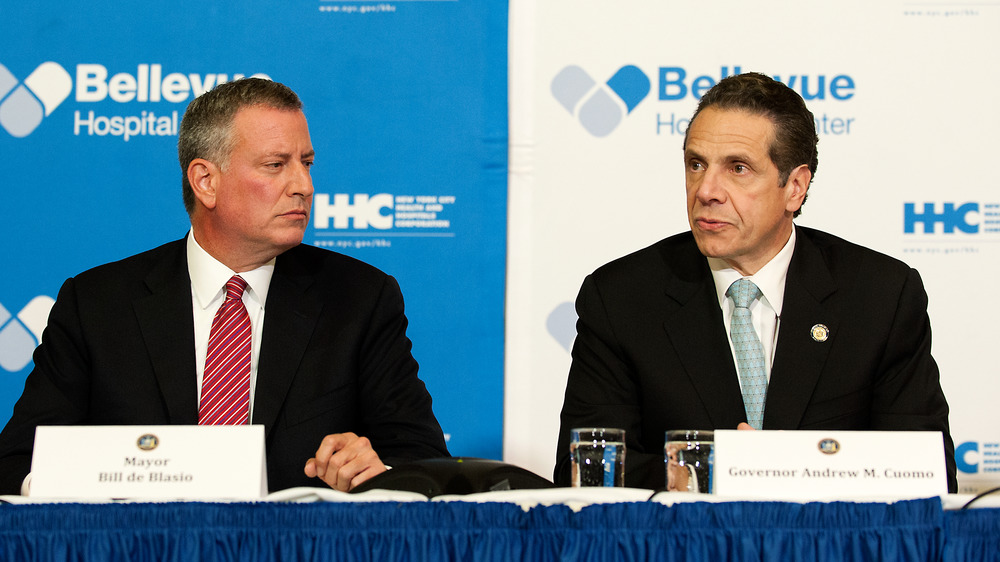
(225, 389)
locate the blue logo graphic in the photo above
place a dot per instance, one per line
(974, 457)
(561, 324)
(599, 107)
(674, 84)
(962, 459)
(19, 335)
(23, 105)
(951, 217)
(967, 217)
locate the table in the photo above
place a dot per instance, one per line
(500, 531)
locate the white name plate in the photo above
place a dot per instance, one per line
(817, 465)
(186, 462)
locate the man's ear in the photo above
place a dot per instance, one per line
(204, 178)
(796, 188)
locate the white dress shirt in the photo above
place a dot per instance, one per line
(765, 311)
(208, 292)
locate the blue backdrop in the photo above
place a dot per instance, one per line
(407, 107)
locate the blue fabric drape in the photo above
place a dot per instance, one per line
(972, 535)
(431, 531)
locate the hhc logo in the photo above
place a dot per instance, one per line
(32, 100)
(965, 462)
(600, 110)
(975, 457)
(950, 217)
(366, 211)
(20, 335)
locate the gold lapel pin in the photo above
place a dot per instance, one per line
(820, 333)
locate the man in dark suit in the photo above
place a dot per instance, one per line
(842, 331)
(334, 383)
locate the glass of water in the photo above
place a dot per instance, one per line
(687, 454)
(597, 456)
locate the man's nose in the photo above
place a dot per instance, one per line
(710, 188)
(301, 182)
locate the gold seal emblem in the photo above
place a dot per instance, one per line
(148, 442)
(820, 332)
(829, 446)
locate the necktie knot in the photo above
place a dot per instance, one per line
(235, 287)
(743, 292)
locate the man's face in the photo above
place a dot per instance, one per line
(737, 210)
(264, 193)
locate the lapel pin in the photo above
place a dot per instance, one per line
(819, 333)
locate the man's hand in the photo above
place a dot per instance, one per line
(344, 460)
(744, 426)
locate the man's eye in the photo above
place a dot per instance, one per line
(739, 168)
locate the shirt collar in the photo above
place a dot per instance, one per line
(770, 278)
(209, 276)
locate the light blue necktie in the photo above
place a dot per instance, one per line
(749, 351)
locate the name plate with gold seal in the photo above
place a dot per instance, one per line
(184, 462)
(822, 465)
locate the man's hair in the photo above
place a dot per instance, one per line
(795, 136)
(207, 128)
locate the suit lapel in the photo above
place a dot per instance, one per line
(799, 359)
(699, 339)
(167, 327)
(290, 316)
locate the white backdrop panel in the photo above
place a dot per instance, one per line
(901, 93)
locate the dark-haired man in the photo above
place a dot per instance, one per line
(749, 321)
(237, 322)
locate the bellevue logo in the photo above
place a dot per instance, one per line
(34, 99)
(19, 335)
(561, 324)
(599, 109)
(24, 105)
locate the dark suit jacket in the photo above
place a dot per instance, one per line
(334, 357)
(652, 354)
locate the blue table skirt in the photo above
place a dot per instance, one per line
(347, 532)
